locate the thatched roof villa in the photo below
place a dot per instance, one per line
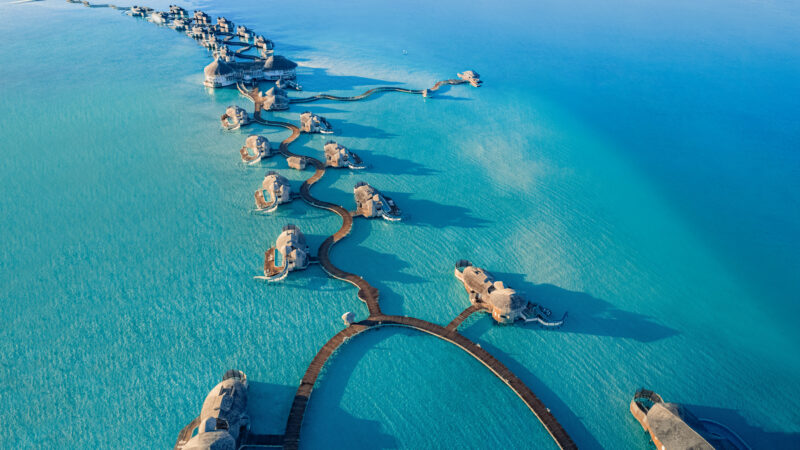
(370, 202)
(672, 426)
(278, 191)
(263, 43)
(255, 148)
(291, 245)
(502, 302)
(220, 75)
(223, 420)
(201, 18)
(337, 155)
(312, 123)
(471, 76)
(224, 25)
(177, 11)
(234, 117)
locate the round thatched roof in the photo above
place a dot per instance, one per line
(277, 62)
(218, 67)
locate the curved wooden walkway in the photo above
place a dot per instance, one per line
(366, 292)
(453, 326)
(303, 394)
(366, 94)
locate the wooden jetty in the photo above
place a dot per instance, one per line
(303, 394)
(423, 92)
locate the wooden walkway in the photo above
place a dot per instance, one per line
(366, 94)
(303, 394)
(366, 292)
(453, 326)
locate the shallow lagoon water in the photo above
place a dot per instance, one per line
(636, 169)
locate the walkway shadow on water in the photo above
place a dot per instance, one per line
(754, 436)
(268, 405)
(587, 314)
(377, 268)
(344, 128)
(568, 419)
(432, 214)
(321, 81)
(351, 432)
(267, 418)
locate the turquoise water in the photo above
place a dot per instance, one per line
(633, 163)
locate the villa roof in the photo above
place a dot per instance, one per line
(277, 178)
(218, 67)
(294, 238)
(228, 400)
(234, 110)
(277, 62)
(506, 300)
(477, 279)
(364, 193)
(671, 425)
(255, 141)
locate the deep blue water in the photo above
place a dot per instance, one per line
(633, 163)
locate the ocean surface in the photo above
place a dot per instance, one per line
(633, 163)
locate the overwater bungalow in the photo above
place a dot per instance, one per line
(177, 12)
(196, 31)
(223, 422)
(201, 18)
(263, 43)
(180, 24)
(275, 99)
(291, 246)
(234, 117)
(312, 123)
(244, 32)
(224, 25)
(337, 155)
(278, 191)
(502, 302)
(224, 53)
(225, 71)
(159, 17)
(255, 149)
(140, 11)
(219, 73)
(370, 202)
(673, 427)
(209, 40)
(471, 76)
